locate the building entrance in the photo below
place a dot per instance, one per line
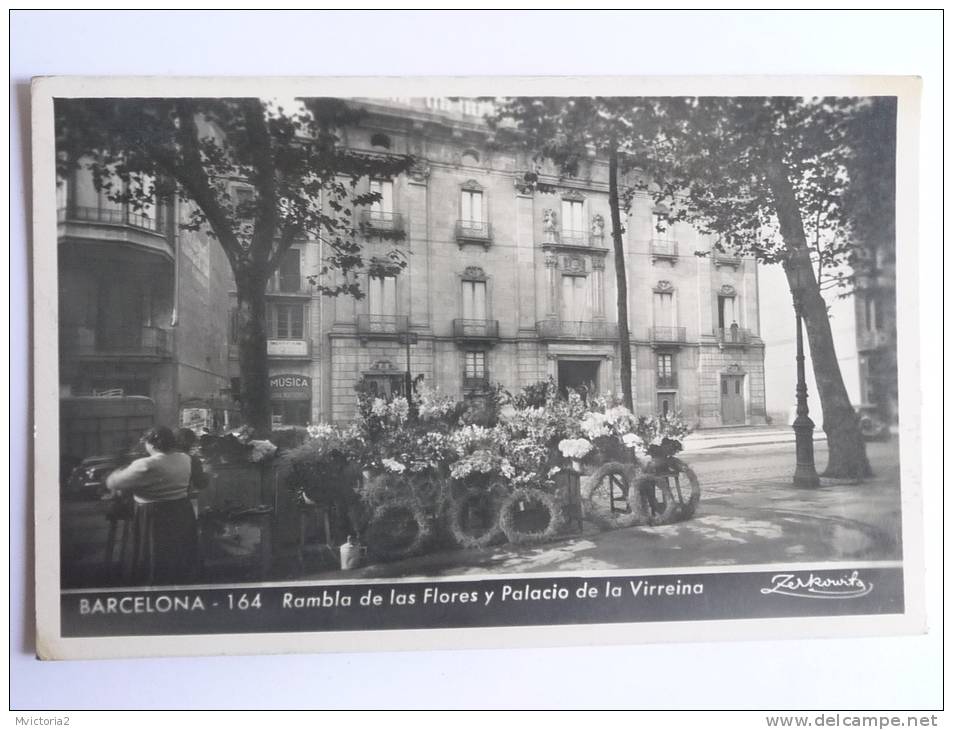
(579, 375)
(732, 400)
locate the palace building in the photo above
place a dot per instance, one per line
(503, 284)
(508, 285)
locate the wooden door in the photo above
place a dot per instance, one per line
(732, 400)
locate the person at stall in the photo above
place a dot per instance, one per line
(165, 534)
(185, 440)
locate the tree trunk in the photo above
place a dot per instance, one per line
(847, 453)
(622, 289)
(253, 351)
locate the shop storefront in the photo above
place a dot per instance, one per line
(290, 400)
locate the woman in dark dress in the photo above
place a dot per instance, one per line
(165, 536)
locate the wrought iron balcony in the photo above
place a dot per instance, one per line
(120, 225)
(379, 223)
(666, 381)
(733, 336)
(667, 335)
(136, 343)
(726, 258)
(476, 381)
(664, 249)
(476, 329)
(474, 232)
(555, 329)
(381, 325)
(574, 238)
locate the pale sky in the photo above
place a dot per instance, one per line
(778, 331)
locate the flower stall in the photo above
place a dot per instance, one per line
(415, 475)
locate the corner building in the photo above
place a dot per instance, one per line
(506, 284)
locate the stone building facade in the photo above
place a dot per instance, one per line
(508, 285)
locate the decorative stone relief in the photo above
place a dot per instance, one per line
(419, 171)
(598, 263)
(597, 226)
(524, 182)
(474, 273)
(573, 195)
(471, 184)
(664, 286)
(734, 369)
(550, 224)
(552, 260)
(727, 290)
(574, 264)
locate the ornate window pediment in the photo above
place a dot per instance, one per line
(574, 196)
(473, 185)
(727, 291)
(663, 286)
(474, 273)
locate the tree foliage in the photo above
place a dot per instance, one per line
(198, 149)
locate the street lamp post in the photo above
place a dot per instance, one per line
(805, 474)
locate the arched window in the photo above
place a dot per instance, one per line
(380, 140)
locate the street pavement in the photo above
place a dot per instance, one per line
(749, 514)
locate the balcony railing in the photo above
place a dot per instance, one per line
(726, 258)
(476, 329)
(382, 223)
(291, 284)
(666, 381)
(664, 249)
(478, 381)
(369, 325)
(574, 238)
(151, 342)
(667, 334)
(554, 329)
(113, 216)
(729, 336)
(474, 232)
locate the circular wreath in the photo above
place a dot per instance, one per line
(593, 507)
(510, 507)
(458, 510)
(688, 503)
(376, 529)
(652, 510)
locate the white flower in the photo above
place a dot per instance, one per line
(630, 440)
(262, 450)
(574, 448)
(379, 407)
(394, 466)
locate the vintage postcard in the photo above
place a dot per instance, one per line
(350, 364)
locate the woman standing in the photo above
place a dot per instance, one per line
(165, 535)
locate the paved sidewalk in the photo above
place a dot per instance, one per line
(733, 436)
(739, 521)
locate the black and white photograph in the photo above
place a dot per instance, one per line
(321, 360)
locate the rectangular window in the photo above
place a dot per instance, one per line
(575, 299)
(726, 312)
(474, 364)
(665, 367)
(382, 296)
(289, 271)
(573, 223)
(474, 300)
(664, 309)
(384, 207)
(471, 207)
(660, 229)
(286, 321)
